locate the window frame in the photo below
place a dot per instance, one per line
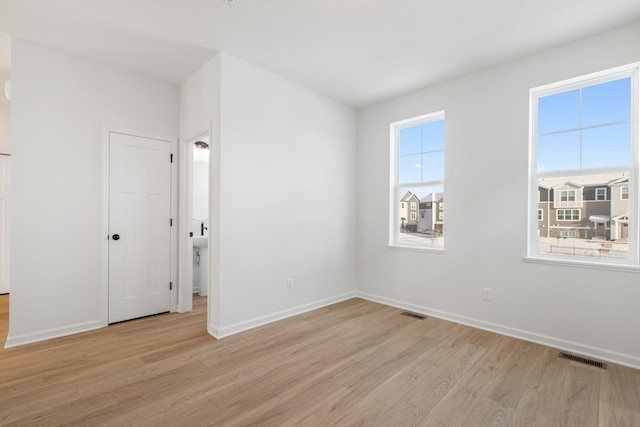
(571, 212)
(631, 71)
(604, 199)
(622, 193)
(568, 234)
(540, 215)
(396, 186)
(566, 198)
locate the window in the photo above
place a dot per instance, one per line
(413, 206)
(624, 193)
(402, 205)
(441, 206)
(413, 216)
(568, 214)
(441, 216)
(417, 167)
(583, 141)
(568, 196)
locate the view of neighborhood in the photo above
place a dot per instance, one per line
(422, 219)
(584, 216)
(577, 216)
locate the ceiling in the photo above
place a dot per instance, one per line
(356, 51)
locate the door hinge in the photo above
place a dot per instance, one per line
(170, 286)
(171, 157)
(170, 222)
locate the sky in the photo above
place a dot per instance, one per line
(585, 128)
(577, 129)
(421, 156)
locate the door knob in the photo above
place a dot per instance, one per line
(116, 237)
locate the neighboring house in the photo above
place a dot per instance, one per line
(431, 213)
(586, 207)
(409, 204)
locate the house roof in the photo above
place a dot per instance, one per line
(432, 197)
(406, 196)
(620, 180)
(581, 181)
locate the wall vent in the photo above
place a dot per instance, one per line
(414, 315)
(583, 360)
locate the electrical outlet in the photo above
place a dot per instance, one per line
(289, 284)
(486, 294)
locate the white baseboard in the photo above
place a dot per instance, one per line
(47, 334)
(263, 320)
(566, 345)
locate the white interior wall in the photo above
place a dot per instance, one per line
(287, 197)
(282, 192)
(5, 105)
(587, 310)
(199, 115)
(5, 115)
(60, 104)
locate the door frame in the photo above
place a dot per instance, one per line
(185, 256)
(6, 260)
(104, 275)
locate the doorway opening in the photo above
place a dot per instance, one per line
(200, 216)
(195, 222)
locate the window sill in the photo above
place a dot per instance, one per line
(431, 249)
(583, 264)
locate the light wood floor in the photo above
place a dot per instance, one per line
(353, 363)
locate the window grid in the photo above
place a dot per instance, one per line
(568, 214)
(624, 193)
(429, 182)
(591, 162)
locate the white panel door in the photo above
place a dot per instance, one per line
(5, 214)
(139, 229)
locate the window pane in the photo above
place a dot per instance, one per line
(433, 166)
(433, 136)
(426, 228)
(606, 102)
(410, 168)
(597, 230)
(559, 152)
(410, 140)
(606, 146)
(559, 112)
(420, 173)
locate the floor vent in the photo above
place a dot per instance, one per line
(414, 315)
(583, 360)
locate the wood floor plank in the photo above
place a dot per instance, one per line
(535, 409)
(617, 390)
(579, 401)
(489, 413)
(400, 414)
(454, 409)
(428, 393)
(451, 411)
(510, 382)
(613, 416)
(351, 363)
